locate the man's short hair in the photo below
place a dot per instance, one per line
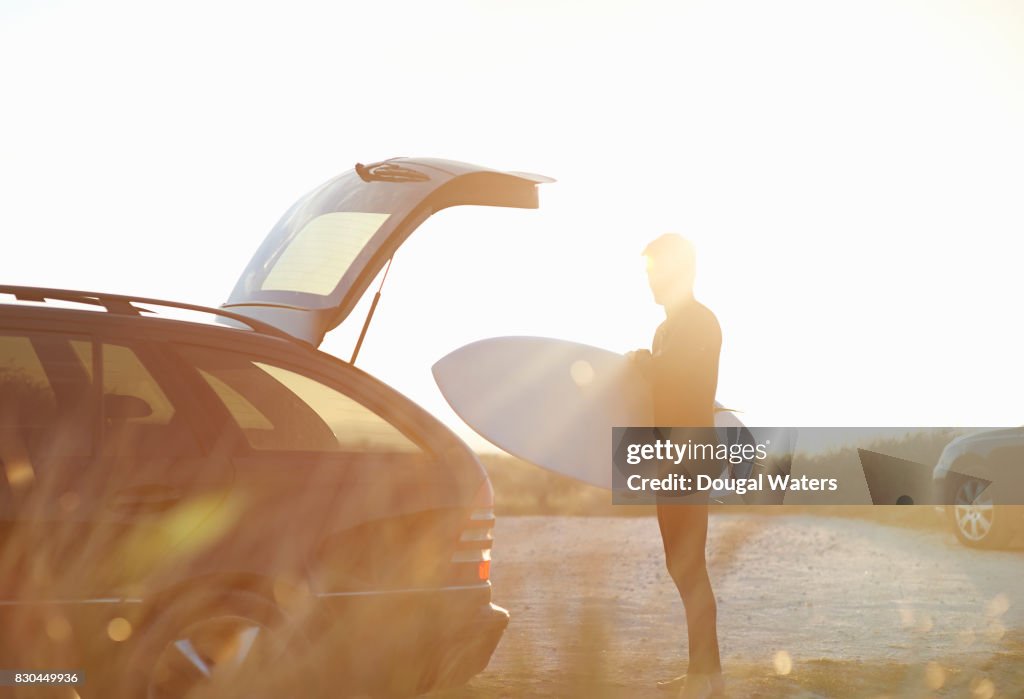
(674, 249)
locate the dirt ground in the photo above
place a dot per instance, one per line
(809, 607)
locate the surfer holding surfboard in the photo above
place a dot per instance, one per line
(555, 403)
(682, 366)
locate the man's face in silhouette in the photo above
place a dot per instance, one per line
(670, 277)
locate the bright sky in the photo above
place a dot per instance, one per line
(850, 173)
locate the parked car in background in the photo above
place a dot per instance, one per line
(222, 509)
(980, 479)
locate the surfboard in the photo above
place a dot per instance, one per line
(550, 402)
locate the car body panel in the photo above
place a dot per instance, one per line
(304, 520)
(994, 455)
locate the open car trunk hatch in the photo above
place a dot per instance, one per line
(317, 261)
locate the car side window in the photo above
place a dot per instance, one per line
(124, 374)
(280, 409)
(27, 396)
(45, 394)
(142, 426)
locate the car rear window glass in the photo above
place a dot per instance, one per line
(244, 412)
(355, 427)
(314, 260)
(279, 409)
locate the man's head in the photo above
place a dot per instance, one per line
(671, 268)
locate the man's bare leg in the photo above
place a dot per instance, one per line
(684, 531)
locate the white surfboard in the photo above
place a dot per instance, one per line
(550, 402)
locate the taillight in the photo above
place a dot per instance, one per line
(472, 557)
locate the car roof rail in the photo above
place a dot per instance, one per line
(121, 304)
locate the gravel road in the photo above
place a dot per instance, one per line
(808, 607)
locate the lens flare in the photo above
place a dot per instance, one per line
(934, 676)
(119, 629)
(57, 628)
(582, 372)
(997, 606)
(983, 688)
(783, 663)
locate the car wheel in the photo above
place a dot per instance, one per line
(235, 645)
(977, 521)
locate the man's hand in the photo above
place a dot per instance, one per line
(641, 359)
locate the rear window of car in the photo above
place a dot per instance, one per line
(311, 260)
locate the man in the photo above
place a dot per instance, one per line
(683, 369)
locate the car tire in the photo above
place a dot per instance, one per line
(237, 643)
(977, 521)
